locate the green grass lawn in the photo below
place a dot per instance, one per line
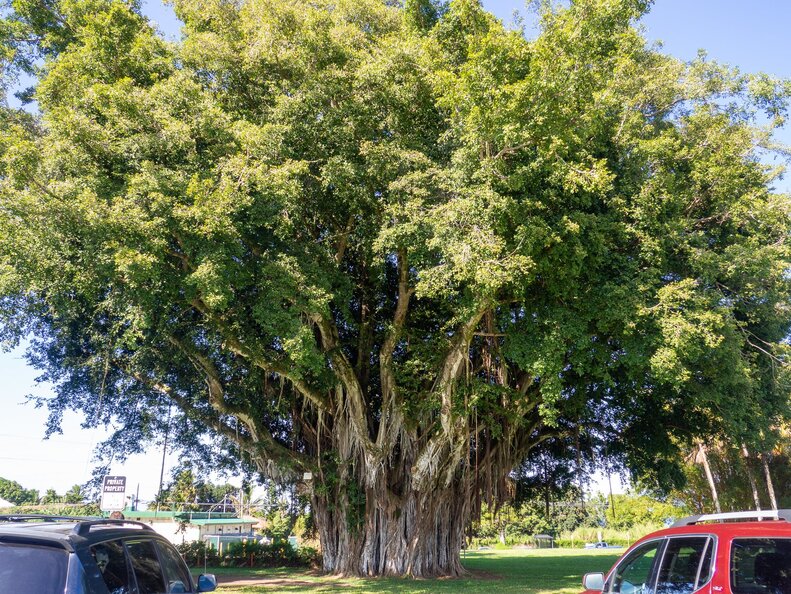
(557, 571)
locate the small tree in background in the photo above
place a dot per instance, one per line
(15, 493)
(75, 495)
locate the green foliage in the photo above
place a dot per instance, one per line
(58, 509)
(572, 524)
(279, 525)
(282, 510)
(422, 14)
(405, 237)
(198, 553)
(75, 495)
(355, 511)
(249, 553)
(637, 510)
(50, 496)
(256, 554)
(186, 490)
(622, 537)
(15, 493)
(730, 471)
(309, 556)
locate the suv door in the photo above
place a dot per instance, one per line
(110, 558)
(686, 565)
(177, 576)
(635, 573)
(156, 566)
(145, 565)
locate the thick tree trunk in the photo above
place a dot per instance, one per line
(416, 534)
(392, 499)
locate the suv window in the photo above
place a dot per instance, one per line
(686, 565)
(29, 568)
(176, 576)
(146, 566)
(761, 565)
(633, 574)
(111, 560)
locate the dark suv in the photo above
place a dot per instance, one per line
(54, 554)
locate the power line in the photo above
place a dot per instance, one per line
(43, 439)
(39, 460)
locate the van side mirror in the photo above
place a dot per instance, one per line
(593, 581)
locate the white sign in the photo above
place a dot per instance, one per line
(113, 493)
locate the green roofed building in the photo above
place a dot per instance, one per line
(185, 526)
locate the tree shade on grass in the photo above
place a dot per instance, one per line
(557, 571)
(395, 248)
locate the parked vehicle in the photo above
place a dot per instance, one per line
(64, 555)
(732, 553)
(601, 545)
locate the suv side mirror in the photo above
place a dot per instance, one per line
(593, 581)
(207, 582)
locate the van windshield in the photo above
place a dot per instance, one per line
(30, 568)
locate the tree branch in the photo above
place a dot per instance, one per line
(354, 399)
(438, 459)
(261, 446)
(259, 435)
(233, 344)
(392, 418)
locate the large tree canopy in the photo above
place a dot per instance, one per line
(395, 247)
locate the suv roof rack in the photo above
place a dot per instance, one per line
(82, 526)
(771, 514)
(42, 518)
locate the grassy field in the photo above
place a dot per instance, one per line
(557, 571)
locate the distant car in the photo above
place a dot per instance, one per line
(732, 553)
(597, 545)
(62, 555)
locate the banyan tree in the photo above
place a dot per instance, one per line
(386, 250)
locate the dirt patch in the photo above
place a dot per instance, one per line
(279, 581)
(271, 582)
(484, 575)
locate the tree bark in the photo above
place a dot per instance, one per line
(769, 483)
(417, 534)
(704, 460)
(751, 477)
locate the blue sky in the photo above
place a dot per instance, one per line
(750, 35)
